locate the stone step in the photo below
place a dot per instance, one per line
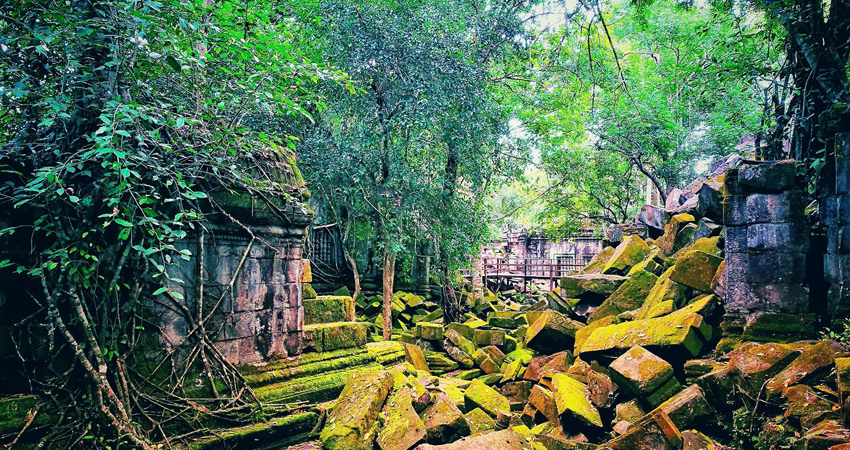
(325, 337)
(273, 434)
(321, 377)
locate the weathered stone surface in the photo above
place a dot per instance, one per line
(767, 176)
(575, 286)
(654, 432)
(478, 421)
(489, 337)
(639, 372)
(328, 309)
(357, 408)
(681, 330)
(629, 296)
(500, 440)
(571, 397)
(307, 291)
(631, 251)
(629, 411)
(402, 428)
(517, 391)
(842, 371)
(507, 319)
(463, 358)
(667, 241)
(825, 435)
(479, 395)
(438, 362)
(601, 389)
(811, 364)
(688, 406)
(543, 400)
(754, 364)
(695, 269)
(538, 366)
(334, 336)
(443, 420)
(694, 440)
(414, 355)
(803, 401)
(662, 291)
(429, 331)
(483, 360)
(552, 332)
(597, 263)
(460, 341)
(652, 217)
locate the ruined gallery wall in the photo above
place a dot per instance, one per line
(251, 288)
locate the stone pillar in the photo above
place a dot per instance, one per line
(766, 242)
(835, 214)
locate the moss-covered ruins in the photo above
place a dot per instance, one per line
(692, 332)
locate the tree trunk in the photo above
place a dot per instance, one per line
(355, 273)
(389, 273)
(351, 262)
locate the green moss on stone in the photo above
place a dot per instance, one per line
(479, 395)
(571, 398)
(630, 295)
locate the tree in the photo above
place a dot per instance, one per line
(621, 93)
(412, 154)
(119, 119)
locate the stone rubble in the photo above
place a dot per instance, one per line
(635, 352)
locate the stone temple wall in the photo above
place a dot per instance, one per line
(766, 244)
(835, 215)
(251, 288)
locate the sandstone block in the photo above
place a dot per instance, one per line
(571, 398)
(357, 408)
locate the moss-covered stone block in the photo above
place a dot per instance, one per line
(478, 422)
(479, 395)
(414, 355)
(664, 290)
(334, 336)
(328, 309)
(430, 331)
(811, 364)
(356, 409)
(488, 337)
(631, 251)
(695, 269)
(596, 285)
(307, 291)
(507, 319)
(640, 372)
(281, 431)
(681, 330)
(443, 420)
(439, 362)
(571, 398)
(460, 341)
(599, 260)
(552, 332)
(629, 296)
(402, 428)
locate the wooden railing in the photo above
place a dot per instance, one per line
(523, 270)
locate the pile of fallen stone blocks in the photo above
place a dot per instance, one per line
(651, 346)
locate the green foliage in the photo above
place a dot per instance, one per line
(120, 121)
(415, 151)
(620, 93)
(841, 334)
